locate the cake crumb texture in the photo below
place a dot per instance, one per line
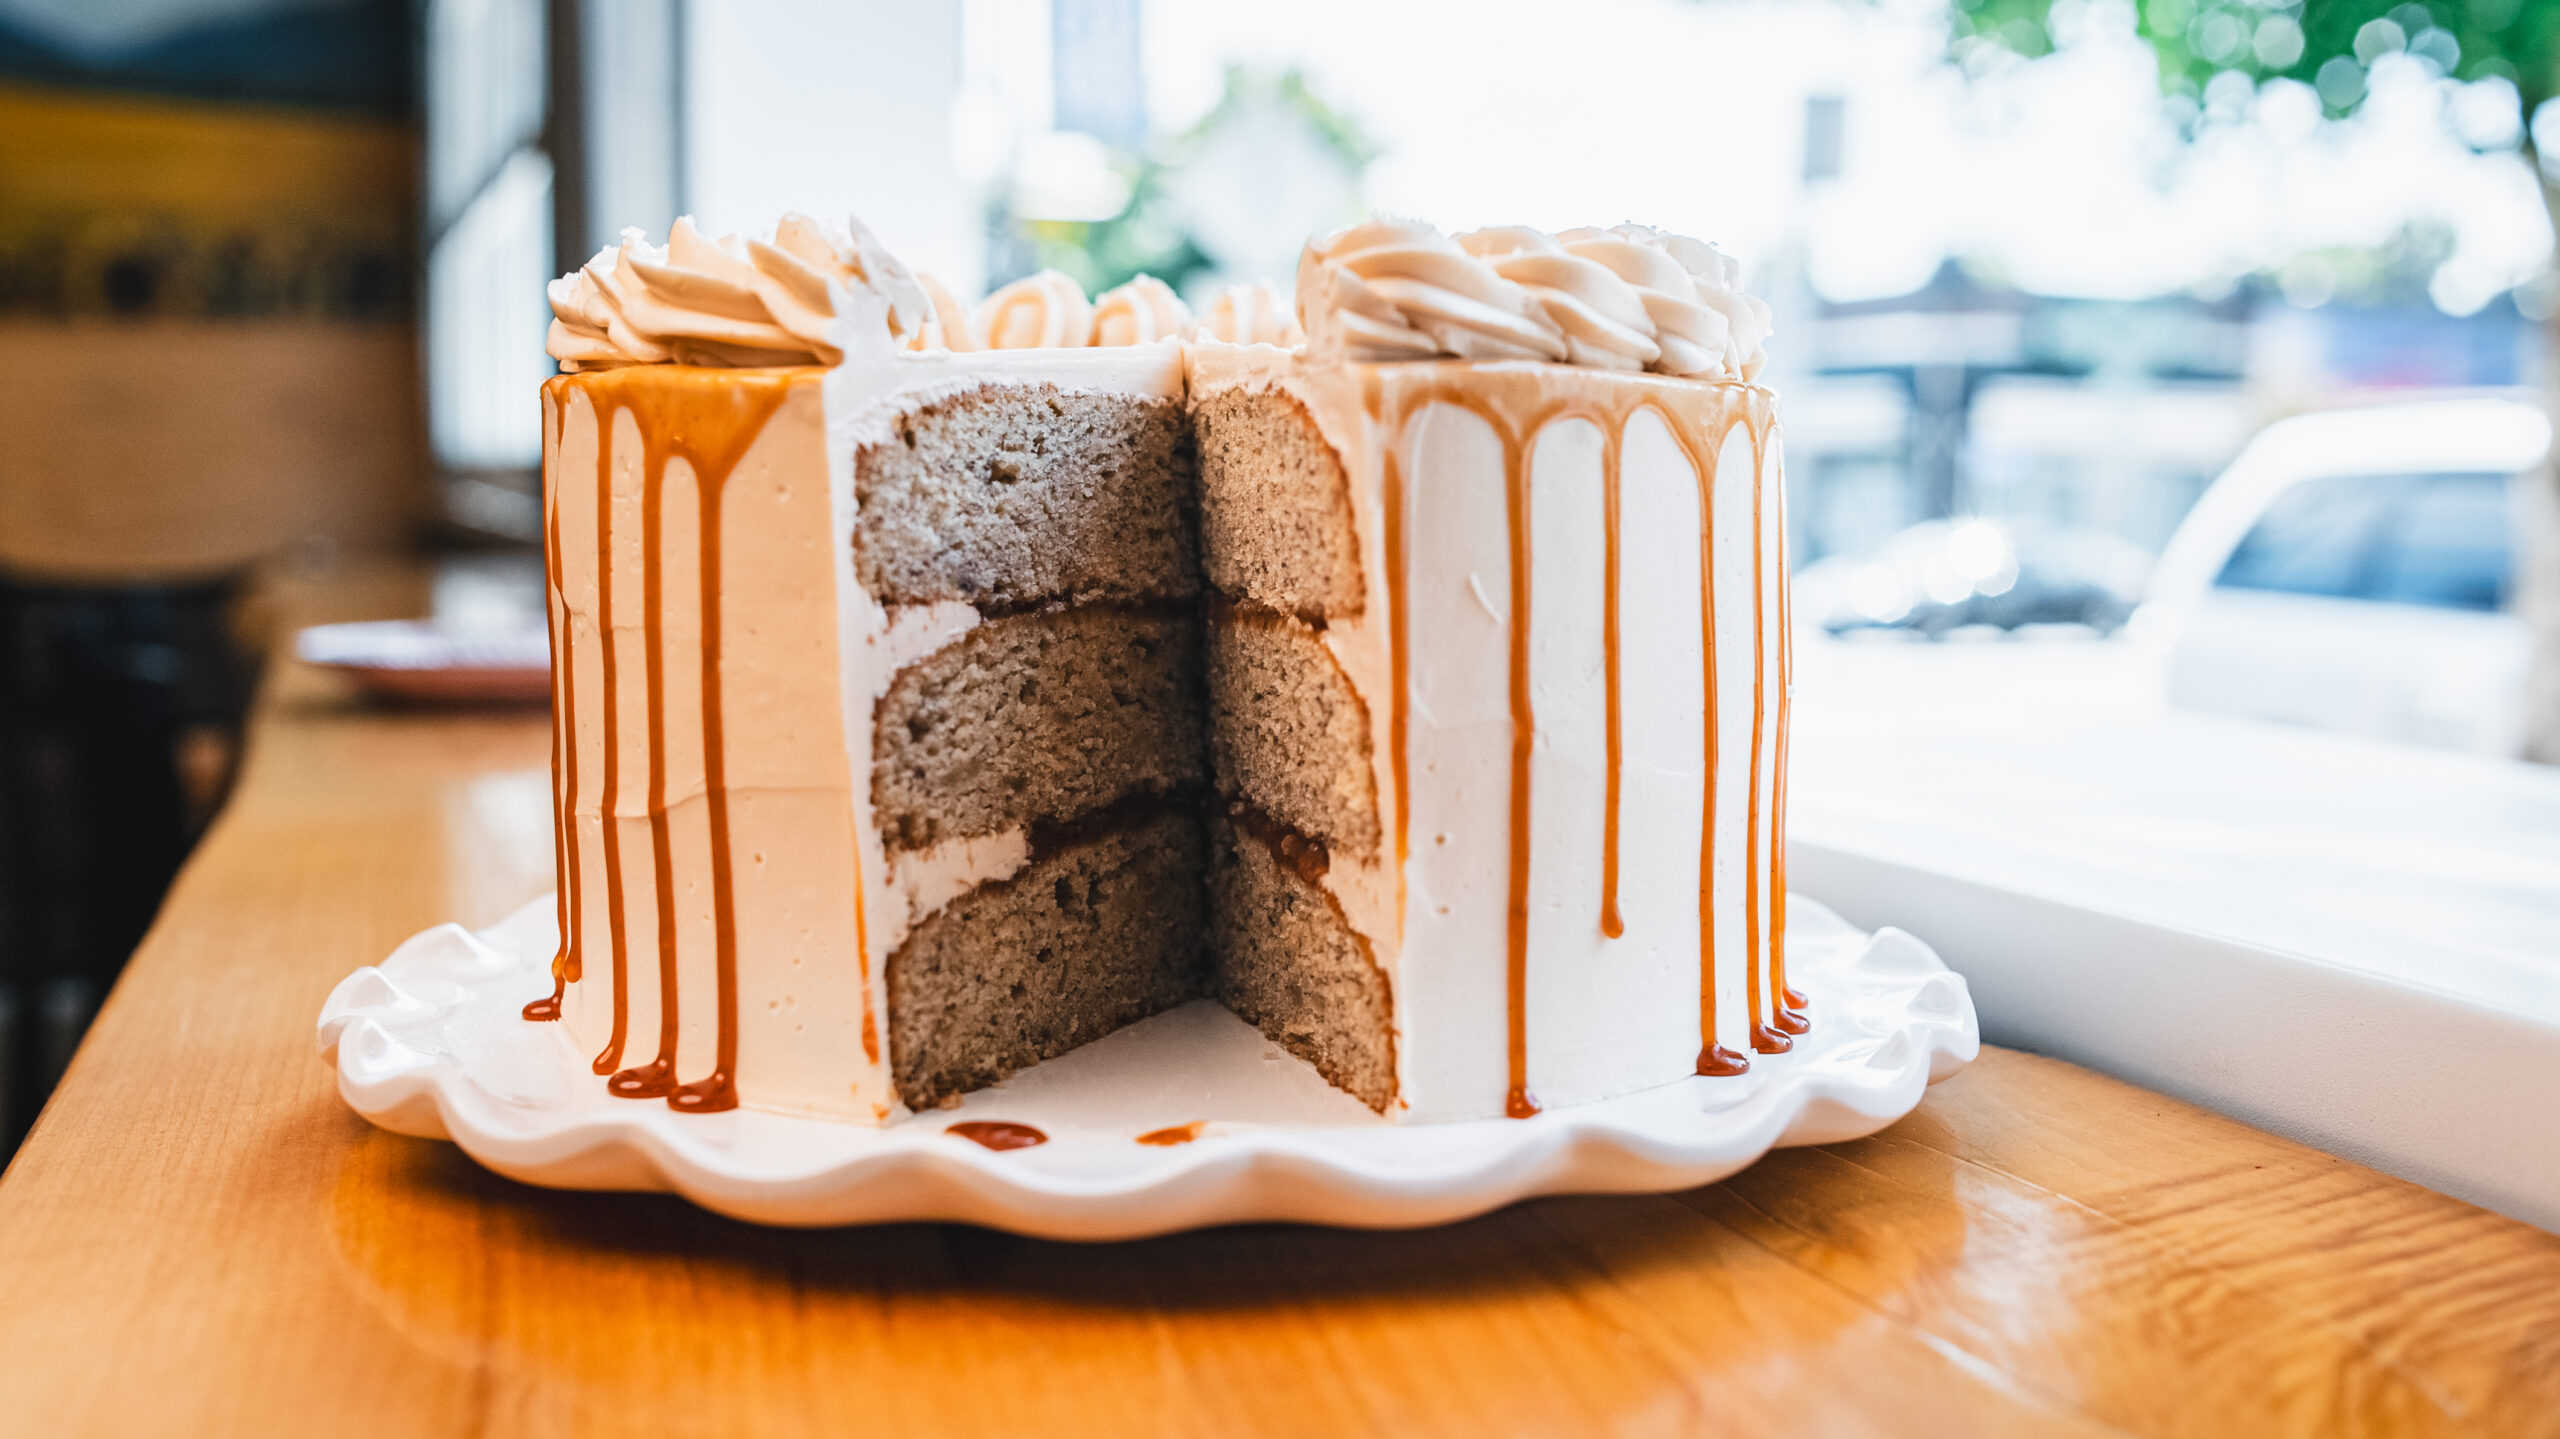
(1289, 964)
(1037, 717)
(1275, 506)
(1287, 732)
(1005, 496)
(1101, 932)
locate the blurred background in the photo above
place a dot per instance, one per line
(2145, 369)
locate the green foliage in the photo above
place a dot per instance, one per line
(2021, 27)
(2329, 45)
(1148, 238)
(1152, 236)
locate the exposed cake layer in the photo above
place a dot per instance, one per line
(1005, 495)
(1104, 926)
(1287, 961)
(1288, 731)
(1276, 524)
(1034, 717)
(1020, 773)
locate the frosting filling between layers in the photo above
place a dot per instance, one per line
(931, 878)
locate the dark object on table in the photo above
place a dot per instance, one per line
(120, 720)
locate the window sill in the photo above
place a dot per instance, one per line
(2353, 944)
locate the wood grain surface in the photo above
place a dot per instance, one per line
(200, 1239)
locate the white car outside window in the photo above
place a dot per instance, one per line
(2356, 570)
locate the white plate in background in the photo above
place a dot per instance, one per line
(426, 660)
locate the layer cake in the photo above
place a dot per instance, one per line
(938, 691)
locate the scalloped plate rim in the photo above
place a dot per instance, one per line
(1648, 1141)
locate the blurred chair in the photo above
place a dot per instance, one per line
(120, 716)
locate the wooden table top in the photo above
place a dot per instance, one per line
(200, 1239)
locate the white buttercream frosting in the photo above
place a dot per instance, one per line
(733, 301)
(1254, 314)
(1601, 315)
(1140, 312)
(1401, 290)
(1625, 298)
(1707, 327)
(931, 878)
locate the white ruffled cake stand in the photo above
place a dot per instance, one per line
(432, 1043)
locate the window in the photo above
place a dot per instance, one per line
(2438, 540)
(2448, 544)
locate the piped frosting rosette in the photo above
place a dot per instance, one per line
(1627, 298)
(1705, 324)
(732, 301)
(1037, 312)
(1254, 314)
(1141, 312)
(1602, 318)
(1401, 290)
(1049, 311)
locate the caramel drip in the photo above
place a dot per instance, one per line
(719, 1090)
(1519, 1103)
(1791, 1015)
(709, 423)
(1612, 438)
(1174, 1134)
(1609, 406)
(617, 934)
(658, 1076)
(1397, 660)
(565, 964)
(1715, 1060)
(1765, 1037)
(998, 1134)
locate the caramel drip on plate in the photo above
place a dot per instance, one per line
(998, 1134)
(709, 422)
(1174, 1134)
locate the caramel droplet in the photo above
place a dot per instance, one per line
(1718, 1062)
(998, 1133)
